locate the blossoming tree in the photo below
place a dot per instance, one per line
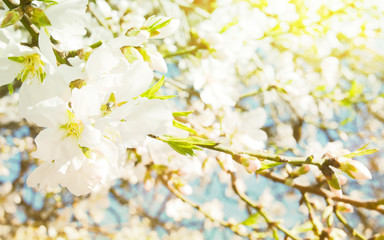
(191, 119)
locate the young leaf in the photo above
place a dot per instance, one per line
(38, 17)
(48, 2)
(10, 89)
(163, 97)
(150, 93)
(266, 164)
(96, 44)
(251, 220)
(200, 141)
(363, 147)
(11, 17)
(334, 182)
(184, 149)
(158, 24)
(186, 146)
(183, 127)
(20, 59)
(181, 114)
(361, 152)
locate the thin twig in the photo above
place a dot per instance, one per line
(344, 221)
(259, 209)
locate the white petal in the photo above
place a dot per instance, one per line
(157, 61)
(66, 19)
(8, 70)
(122, 41)
(45, 175)
(85, 102)
(167, 30)
(47, 141)
(255, 118)
(66, 150)
(90, 137)
(45, 46)
(49, 113)
(76, 184)
(35, 92)
(101, 61)
(136, 81)
(150, 117)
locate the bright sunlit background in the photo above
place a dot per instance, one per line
(291, 77)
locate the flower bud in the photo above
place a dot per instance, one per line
(355, 169)
(345, 207)
(334, 185)
(254, 165)
(161, 27)
(186, 189)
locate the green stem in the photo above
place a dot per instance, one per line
(311, 215)
(263, 155)
(181, 52)
(349, 227)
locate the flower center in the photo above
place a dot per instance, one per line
(33, 67)
(73, 127)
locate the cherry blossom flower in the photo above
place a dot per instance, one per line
(24, 63)
(67, 25)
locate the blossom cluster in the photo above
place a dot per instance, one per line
(92, 108)
(269, 91)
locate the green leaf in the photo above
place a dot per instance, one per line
(38, 17)
(200, 141)
(184, 149)
(112, 98)
(361, 152)
(86, 151)
(96, 44)
(251, 220)
(183, 127)
(275, 235)
(266, 164)
(10, 89)
(191, 140)
(150, 93)
(163, 97)
(132, 54)
(186, 146)
(11, 17)
(20, 59)
(48, 2)
(156, 25)
(144, 54)
(363, 147)
(153, 24)
(181, 114)
(334, 182)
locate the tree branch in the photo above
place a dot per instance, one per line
(377, 205)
